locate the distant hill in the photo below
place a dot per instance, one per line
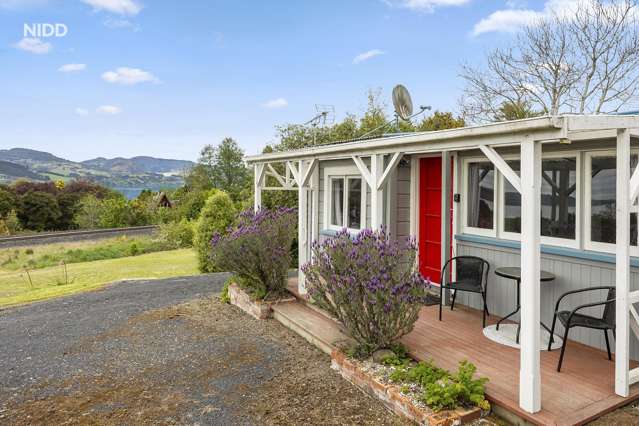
(20, 155)
(12, 171)
(121, 173)
(140, 165)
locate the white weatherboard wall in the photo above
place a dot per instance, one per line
(571, 274)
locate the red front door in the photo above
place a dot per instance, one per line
(430, 217)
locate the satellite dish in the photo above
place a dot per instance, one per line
(402, 102)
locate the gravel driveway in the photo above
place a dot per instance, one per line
(167, 352)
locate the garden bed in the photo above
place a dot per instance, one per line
(258, 309)
(373, 379)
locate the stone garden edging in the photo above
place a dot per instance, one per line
(392, 397)
(258, 309)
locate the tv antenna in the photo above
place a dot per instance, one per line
(324, 114)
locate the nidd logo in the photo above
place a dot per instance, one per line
(45, 30)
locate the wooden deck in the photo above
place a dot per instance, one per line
(583, 391)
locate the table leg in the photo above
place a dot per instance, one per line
(511, 314)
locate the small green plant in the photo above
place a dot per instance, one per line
(28, 251)
(443, 390)
(224, 294)
(134, 250)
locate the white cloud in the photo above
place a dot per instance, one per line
(33, 45)
(72, 67)
(513, 19)
(121, 7)
(120, 23)
(425, 5)
(276, 103)
(367, 55)
(109, 109)
(506, 21)
(129, 76)
(82, 112)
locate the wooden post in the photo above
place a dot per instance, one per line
(302, 235)
(529, 370)
(622, 270)
(377, 198)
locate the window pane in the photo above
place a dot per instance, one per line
(512, 203)
(481, 189)
(603, 192)
(337, 208)
(354, 217)
(559, 197)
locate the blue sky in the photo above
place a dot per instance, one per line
(163, 78)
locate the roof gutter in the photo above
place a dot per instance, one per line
(486, 130)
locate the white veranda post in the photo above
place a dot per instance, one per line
(622, 275)
(529, 370)
(302, 234)
(257, 186)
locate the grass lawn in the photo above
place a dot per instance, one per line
(44, 256)
(15, 287)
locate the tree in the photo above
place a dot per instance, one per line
(89, 213)
(216, 216)
(585, 60)
(221, 167)
(440, 121)
(7, 202)
(515, 111)
(39, 211)
(229, 171)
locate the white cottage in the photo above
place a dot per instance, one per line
(556, 194)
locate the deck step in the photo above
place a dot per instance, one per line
(313, 326)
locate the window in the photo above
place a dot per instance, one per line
(559, 191)
(480, 196)
(347, 202)
(601, 216)
(559, 197)
(512, 204)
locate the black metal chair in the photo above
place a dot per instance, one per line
(573, 318)
(471, 276)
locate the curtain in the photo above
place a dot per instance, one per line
(338, 199)
(473, 194)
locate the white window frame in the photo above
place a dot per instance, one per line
(553, 241)
(464, 176)
(588, 243)
(345, 173)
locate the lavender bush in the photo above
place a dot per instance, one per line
(368, 283)
(257, 249)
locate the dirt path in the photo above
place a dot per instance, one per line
(166, 352)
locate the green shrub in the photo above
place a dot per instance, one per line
(216, 216)
(257, 250)
(177, 234)
(13, 223)
(39, 211)
(4, 229)
(443, 390)
(369, 284)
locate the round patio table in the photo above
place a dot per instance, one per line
(514, 273)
